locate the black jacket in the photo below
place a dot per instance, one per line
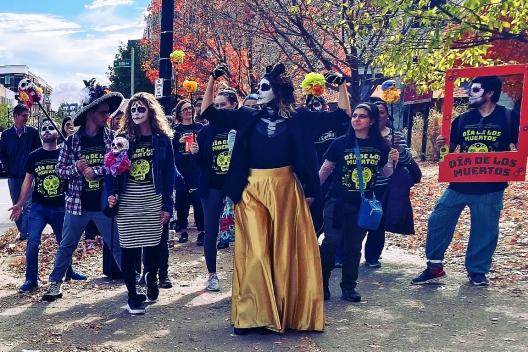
(304, 126)
(15, 150)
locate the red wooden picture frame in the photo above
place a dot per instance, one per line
(491, 166)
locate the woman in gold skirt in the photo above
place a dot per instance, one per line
(272, 179)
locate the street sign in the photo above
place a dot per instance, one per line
(122, 63)
(158, 88)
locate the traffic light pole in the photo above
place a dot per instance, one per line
(166, 43)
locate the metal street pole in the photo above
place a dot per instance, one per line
(166, 43)
(132, 63)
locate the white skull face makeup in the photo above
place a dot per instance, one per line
(139, 112)
(476, 95)
(265, 93)
(48, 133)
(119, 144)
(25, 84)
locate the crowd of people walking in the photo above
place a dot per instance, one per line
(293, 174)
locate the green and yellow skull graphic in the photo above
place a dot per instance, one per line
(51, 184)
(223, 160)
(478, 148)
(139, 169)
(367, 176)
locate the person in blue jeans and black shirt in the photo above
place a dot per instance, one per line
(487, 127)
(80, 162)
(48, 203)
(344, 197)
(16, 144)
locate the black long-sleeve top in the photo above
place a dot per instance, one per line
(303, 127)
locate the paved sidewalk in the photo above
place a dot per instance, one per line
(394, 316)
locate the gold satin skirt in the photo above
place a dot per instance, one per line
(277, 281)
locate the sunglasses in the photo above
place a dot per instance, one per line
(139, 109)
(47, 128)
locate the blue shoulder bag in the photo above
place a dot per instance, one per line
(370, 210)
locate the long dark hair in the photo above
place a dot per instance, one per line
(374, 129)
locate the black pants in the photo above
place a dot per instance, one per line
(186, 197)
(128, 265)
(212, 205)
(376, 238)
(345, 233)
(163, 255)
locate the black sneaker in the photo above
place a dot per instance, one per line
(326, 293)
(184, 237)
(429, 276)
(375, 264)
(241, 331)
(135, 305)
(351, 295)
(54, 291)
(222, 244)
(165, 283)
(200, 239)
(478, 279)
(152, 288)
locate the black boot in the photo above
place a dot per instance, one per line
(351, 295)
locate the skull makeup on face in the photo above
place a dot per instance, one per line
(476, 95)
(265, 93)
(25, 84)
(47, 132)
(139, 112)
(119, 144)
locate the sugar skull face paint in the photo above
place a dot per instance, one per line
(476, 95)
(265, 92)
(139, 112)
(48, 133)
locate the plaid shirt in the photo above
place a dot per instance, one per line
(67, 170)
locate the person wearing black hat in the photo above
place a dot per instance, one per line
(81, 164)
(342, 204)
(272, 179)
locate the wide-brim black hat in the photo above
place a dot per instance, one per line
(93, 95)
(113, 100)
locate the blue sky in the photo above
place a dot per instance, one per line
(66, 41)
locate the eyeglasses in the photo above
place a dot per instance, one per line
(186, 109)
(47, 128)
(360, 116)
(139, 109)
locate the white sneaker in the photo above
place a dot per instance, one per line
(212, 283)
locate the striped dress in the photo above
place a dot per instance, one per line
(139, 213)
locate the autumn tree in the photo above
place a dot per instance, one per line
(446, 34)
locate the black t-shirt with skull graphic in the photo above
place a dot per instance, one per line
(220, 160)
(141, 158)
(48, 189)
(93, 151)
(473, 133)
(345, 184)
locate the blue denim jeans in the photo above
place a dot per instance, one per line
(73, 228)
(39, 217)
(485, 212)
(15, 185)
